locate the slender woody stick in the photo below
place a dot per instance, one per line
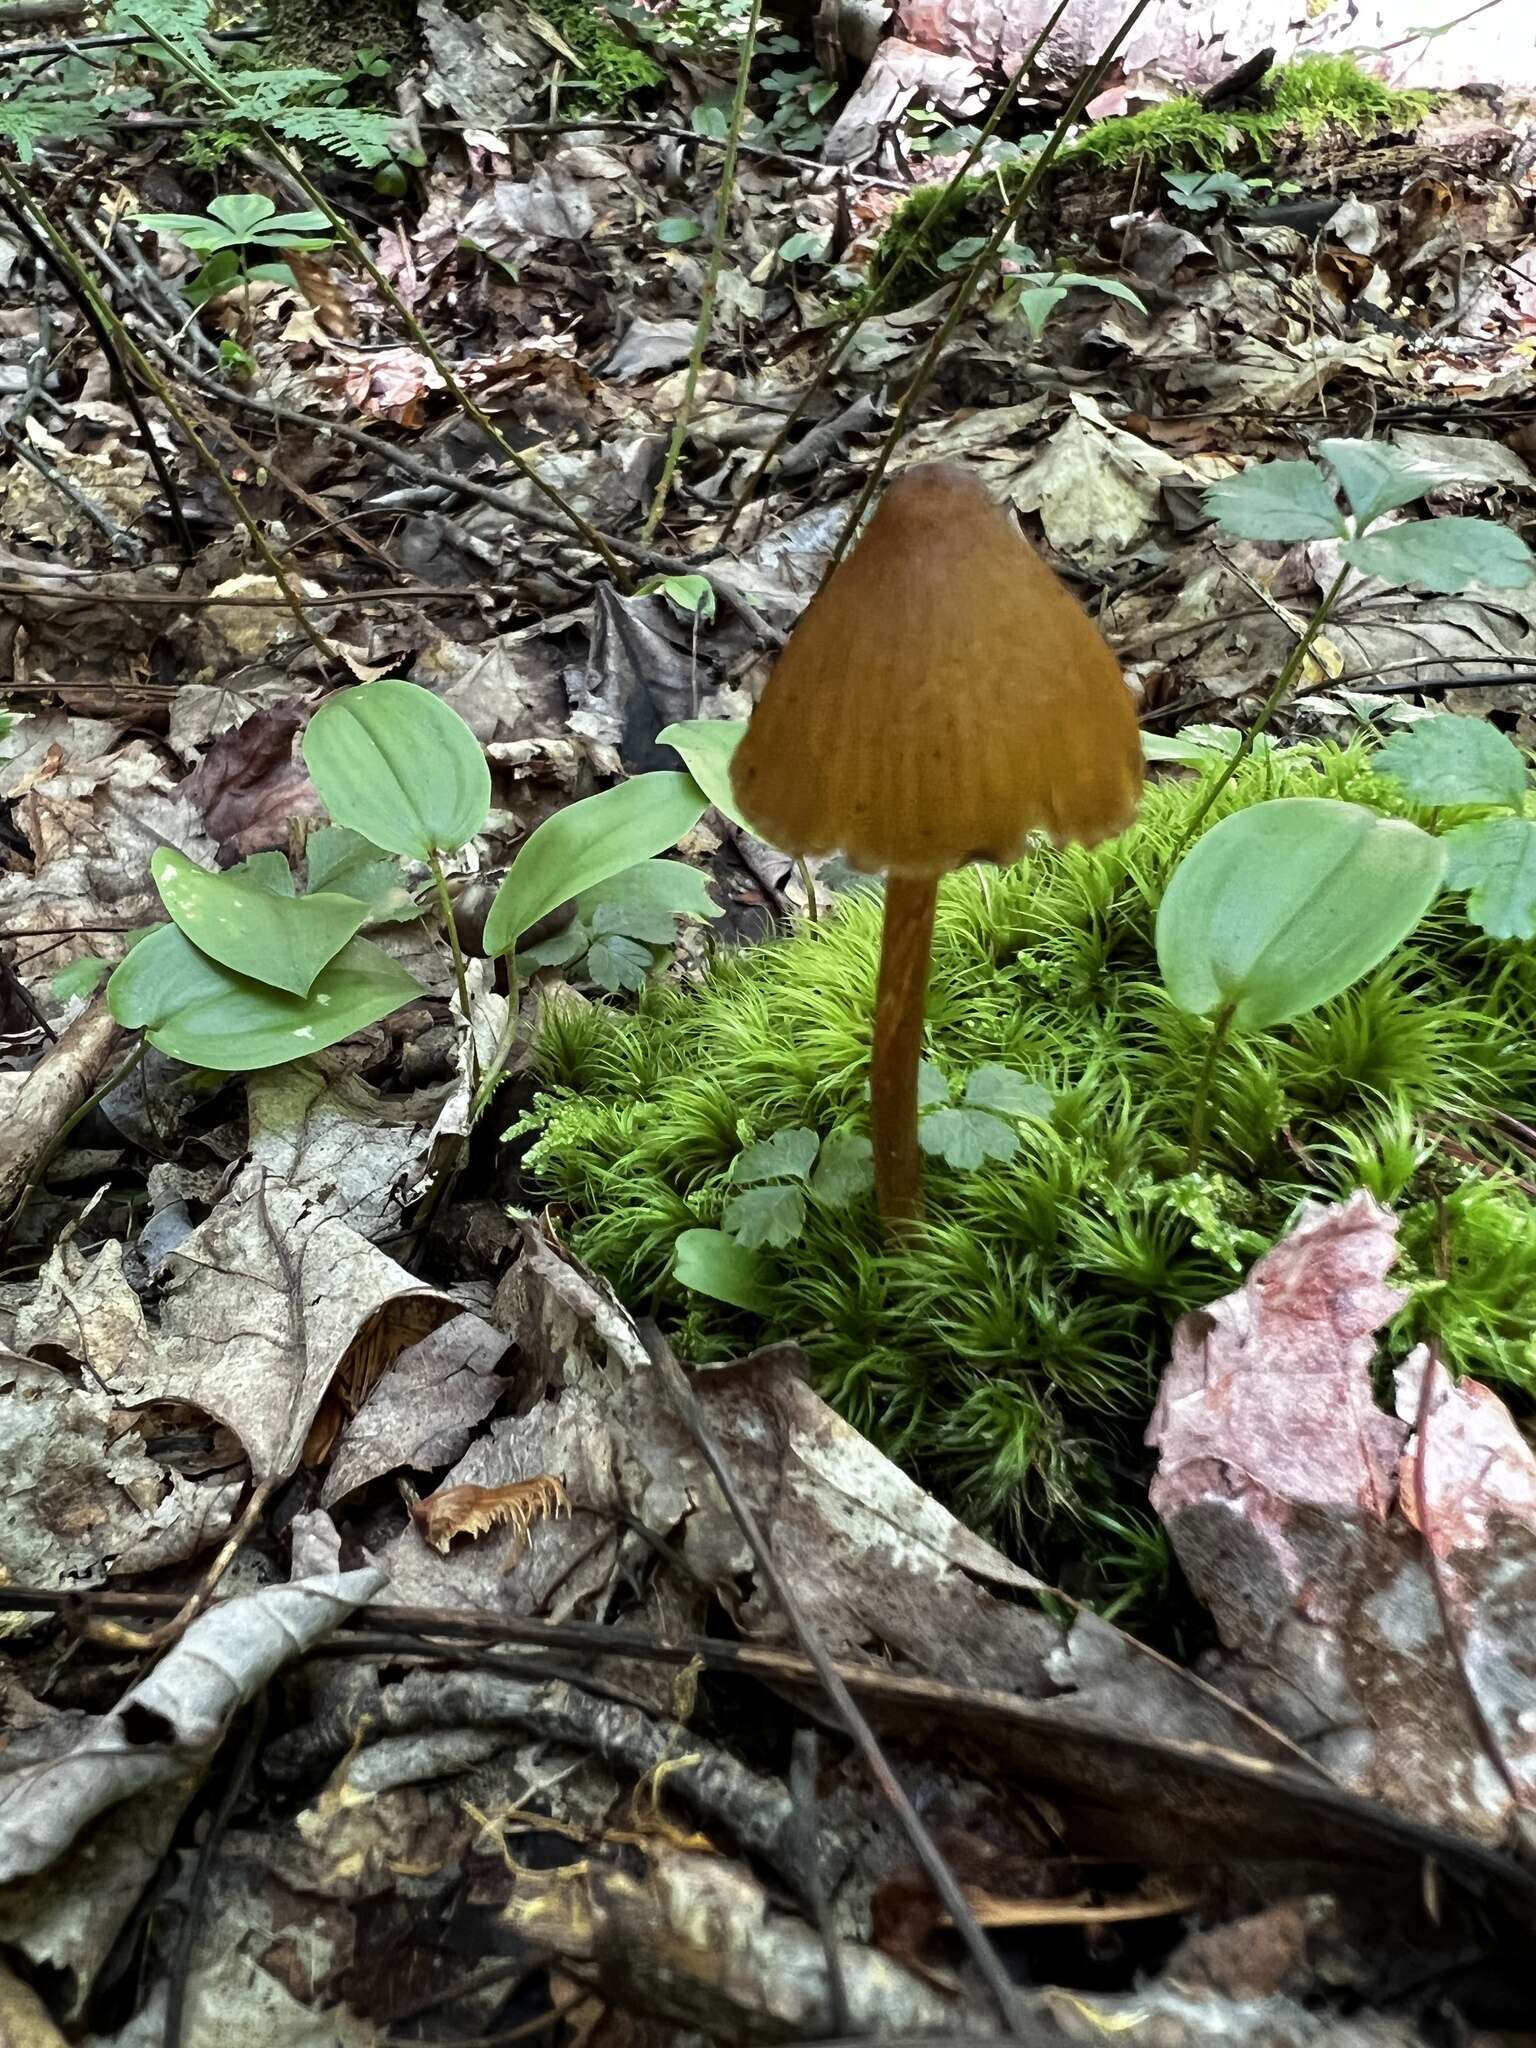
(905, 945)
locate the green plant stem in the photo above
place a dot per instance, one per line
(356, 249)
(706, 320)
(885, 289)
(1200, 1121)
(1269, 707)
(451, 927)
(144, 368)
(1087, 86)
(808, 884)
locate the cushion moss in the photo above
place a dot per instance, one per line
(1010, 1356)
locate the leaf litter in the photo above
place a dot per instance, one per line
(391, 1656)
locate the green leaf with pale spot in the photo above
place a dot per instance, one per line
(1452, 760)
(195, 1010)
(283, 941)
(765, 1216)
(1495, 858)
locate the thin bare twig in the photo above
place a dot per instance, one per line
(1087, 86)
(873, 1757)
(704, 326)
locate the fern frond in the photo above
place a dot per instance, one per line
(263, 95)
(362, 135)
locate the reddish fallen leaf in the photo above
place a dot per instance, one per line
(475, 1510)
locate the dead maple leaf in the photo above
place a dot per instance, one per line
(474, 1510)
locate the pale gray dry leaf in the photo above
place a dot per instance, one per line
(353, 1153)
(574, 188)
(92, 810)
(646, 668)
(507, 688)
(232, 1999)
(647, 346)
(116, 480)
(1097, 488)
(84, 1501)
(424, 1410)
(1458, 461)
(899, 73)
(1469, 1488)
(174, 1718)
(486, 71)
(695, 1938)
(201, 711)
(607, 484)
(1279, 1484)
(222, 638)
(264, 1306)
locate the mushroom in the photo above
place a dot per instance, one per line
(943, 697)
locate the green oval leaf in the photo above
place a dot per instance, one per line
(399, 766)
(1445, 555)
(279, 939)
(1276, 501)
(1281, 907)
(707, 746)
(709, 1263)
(586, 843)
(195, 1010)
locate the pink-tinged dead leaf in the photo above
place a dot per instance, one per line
(1287, 1496)
(326, 292)
(1469, 1488)
(1272, 1384)
(475, 1510)
(392, 385)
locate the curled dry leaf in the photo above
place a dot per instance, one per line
(475, 1510)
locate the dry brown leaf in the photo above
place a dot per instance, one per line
(475, 1510)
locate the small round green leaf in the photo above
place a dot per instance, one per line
(283, 940)
(586, 843)
(708, 1262)
(399, 766)
(1281, 907)
(707, 745)
(195, 1010)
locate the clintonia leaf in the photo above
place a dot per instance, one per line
(1451, 760)
(1283, 501)
(79, 978)
(399, 766)
(1282, 907)
(708, 1262)
(706, 745)
(1445, 555)
(1495, 858)
(765, 1216)
(283, 940)
(586, 843)
(195, 1010)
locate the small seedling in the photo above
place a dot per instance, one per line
(235, 225)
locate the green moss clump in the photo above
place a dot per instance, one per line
(1299, 102)
(613, 69)
(1010, 1356)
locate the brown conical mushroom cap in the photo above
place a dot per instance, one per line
(943, 696)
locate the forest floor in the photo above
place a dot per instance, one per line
(405, 1648)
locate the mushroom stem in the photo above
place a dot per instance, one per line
(905, 945)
